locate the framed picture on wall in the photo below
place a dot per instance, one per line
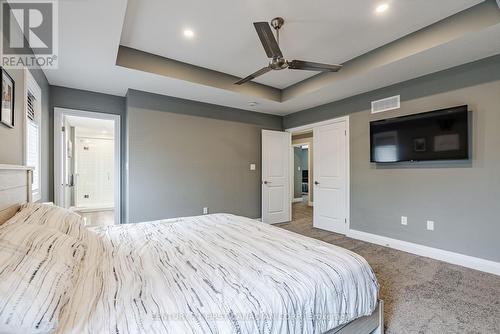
(7, 89)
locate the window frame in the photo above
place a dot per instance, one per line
(32, 86)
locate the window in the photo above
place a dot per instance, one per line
(33, 157)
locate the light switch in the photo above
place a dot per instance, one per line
(252, 166)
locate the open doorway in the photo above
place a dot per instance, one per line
(301, 173)
(302, 202)
(87, 159)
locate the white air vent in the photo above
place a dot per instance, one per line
(385, 104)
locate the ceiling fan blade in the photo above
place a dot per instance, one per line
(311, 66)
(252, 76)
(267, 39)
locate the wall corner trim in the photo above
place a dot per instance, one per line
(433, 253)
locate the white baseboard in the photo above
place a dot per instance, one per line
(258, 219)
(310, 203)
(295, 200)
(433, 253)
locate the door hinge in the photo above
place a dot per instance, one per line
(345, 220)
(345, 132)
(63, 129)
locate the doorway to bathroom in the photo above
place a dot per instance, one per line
(87, 165)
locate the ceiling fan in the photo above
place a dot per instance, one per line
(278, 62)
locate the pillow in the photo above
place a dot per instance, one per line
(38, 268)
(63, 220)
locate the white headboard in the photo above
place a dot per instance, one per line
(15, 189)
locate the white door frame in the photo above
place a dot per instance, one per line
(59, 113)
(310, 127)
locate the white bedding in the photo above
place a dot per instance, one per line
(215, 274)
(38, 268)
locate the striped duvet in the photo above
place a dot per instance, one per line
(215, 274)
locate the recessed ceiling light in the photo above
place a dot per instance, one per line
(188, 33)
(382, 8)
(252, 104)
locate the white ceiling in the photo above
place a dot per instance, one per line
(318, 30)
(90, 32)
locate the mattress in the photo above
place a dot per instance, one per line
(217, 273)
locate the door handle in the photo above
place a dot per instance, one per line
(316, 182)
(267, 182)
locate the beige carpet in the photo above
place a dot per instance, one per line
(421, 295)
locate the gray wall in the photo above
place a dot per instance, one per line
(305, 159)
(12, 140)
(186, 155)
(462, 198)
(69, 98)
(13, 152)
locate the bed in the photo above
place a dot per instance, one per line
(216, 273)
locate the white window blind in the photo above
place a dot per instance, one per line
(30, 105)
(33, 133)
(33, 152)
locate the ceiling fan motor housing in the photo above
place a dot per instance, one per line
(277, 22)
(278, 63)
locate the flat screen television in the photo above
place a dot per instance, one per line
(436, 135)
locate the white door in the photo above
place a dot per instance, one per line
(330, 177)
(276, 201)
(95, 173)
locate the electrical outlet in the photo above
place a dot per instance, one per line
(205, 211)
(404, 220)
(252, 166)
(430, 225)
